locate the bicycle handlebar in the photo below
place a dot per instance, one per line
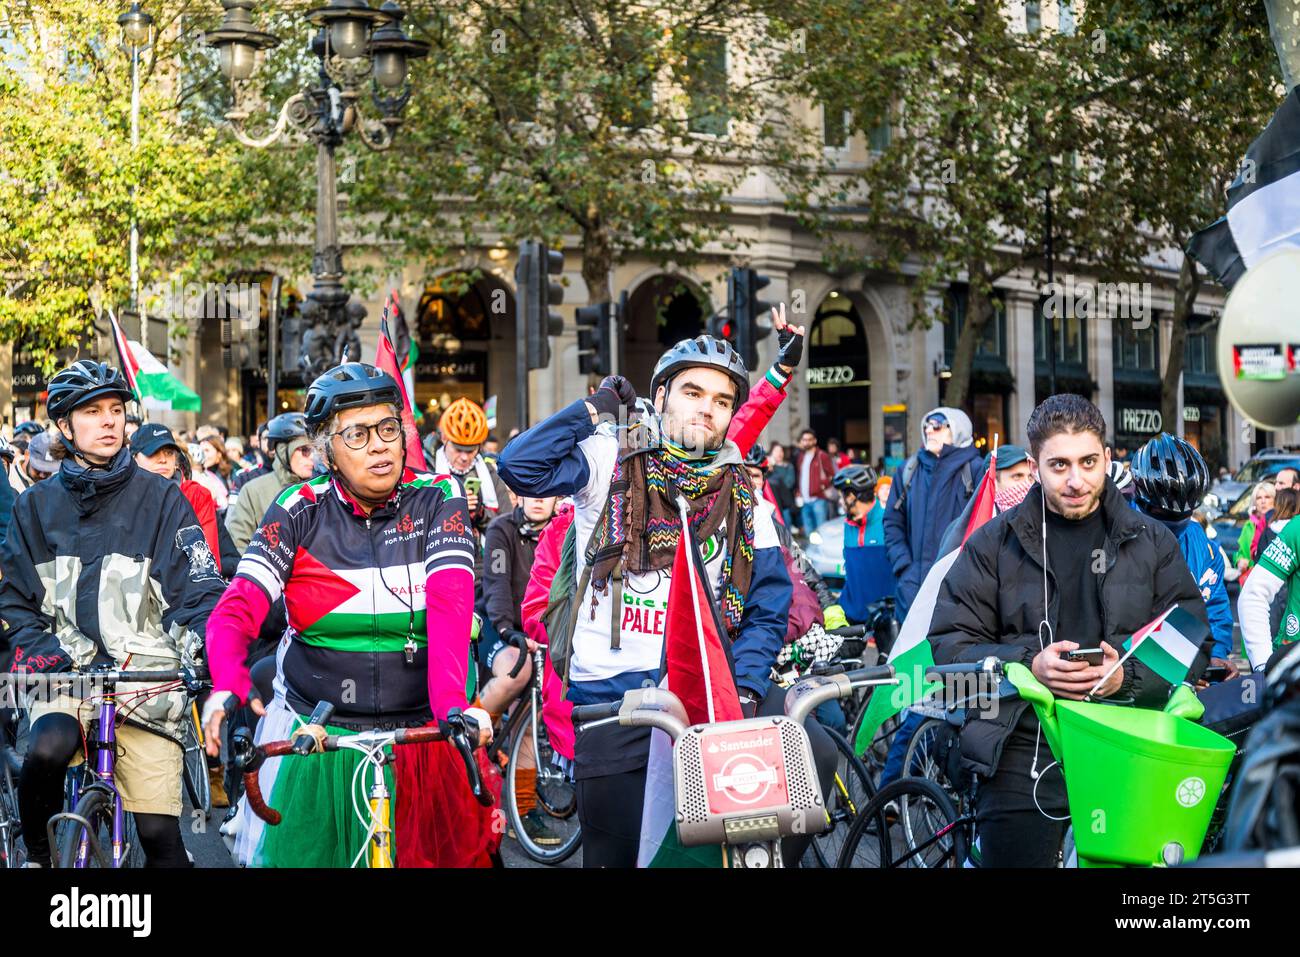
(249, 757)
(518, 640)
(989, 665)
(849, 631)
(584, 713)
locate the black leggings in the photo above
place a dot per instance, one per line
(55, 740)
(1013, 832)
(610, 806)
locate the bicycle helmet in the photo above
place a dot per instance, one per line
(7, 451)
(858, 479)
(286, 427)
(349, 386)
(702, 351)
(29, 428)
(1120, 475)
(84, 381)
(464, 423)
(756, 457)
(1169, 477)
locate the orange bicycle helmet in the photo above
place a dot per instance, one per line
(464, 423)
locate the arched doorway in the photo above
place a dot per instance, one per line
(465, 336)
(839, 375)
(662, 311)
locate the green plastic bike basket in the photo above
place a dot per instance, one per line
(1138, 780)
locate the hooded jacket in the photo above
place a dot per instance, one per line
(106, 565)
(928, 492)
(258, 495)
(991, 603)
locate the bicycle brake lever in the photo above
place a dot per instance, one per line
(457, 727)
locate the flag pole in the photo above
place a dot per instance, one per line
(695, 601)
(1128, 654)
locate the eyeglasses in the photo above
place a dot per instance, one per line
(358, 436)
(307, 449)
(935, 422)
(463, 449)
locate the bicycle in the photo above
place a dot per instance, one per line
(374, 745)
(556, 796)
(11, 763)
(194, 762)
(98, 818)
(1162, 761)
(745, 784)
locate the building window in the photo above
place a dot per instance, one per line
(1198, 354)
(634, 101)
(1071, 344)
(706, 85)
(992, 341)
(1033, 16)
(878, 137)
(1068, 25)
(1137, 349)
(835, 126)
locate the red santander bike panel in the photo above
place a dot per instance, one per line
(744, 769)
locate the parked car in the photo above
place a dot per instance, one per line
(1266, 464)
(825, 550)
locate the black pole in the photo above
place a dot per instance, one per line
(273, 350)
(1051, 279)
(522, 291)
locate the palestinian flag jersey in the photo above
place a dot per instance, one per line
(354, 590)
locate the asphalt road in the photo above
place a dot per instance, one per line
(203, 840)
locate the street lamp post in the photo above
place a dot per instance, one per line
(354, 43)
(137, 29)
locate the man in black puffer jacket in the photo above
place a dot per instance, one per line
(1109, 570)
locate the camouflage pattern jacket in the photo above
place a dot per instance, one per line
(106, 566)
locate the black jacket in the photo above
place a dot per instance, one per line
(102, 565)
(507, 561)
(991, 603)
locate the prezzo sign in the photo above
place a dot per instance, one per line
(834, 375)
(1140, 421)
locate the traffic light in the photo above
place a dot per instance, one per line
(598, 338)
(536, 294)
(748, 313)
(593, 339)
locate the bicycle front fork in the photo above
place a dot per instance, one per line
(381, 842)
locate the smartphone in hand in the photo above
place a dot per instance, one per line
(1093, 656)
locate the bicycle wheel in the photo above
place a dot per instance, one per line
(12, 851)
(877, 752)
(194, 764)
(850, 793)
(549, 833)
(879, 836)
(96, 807)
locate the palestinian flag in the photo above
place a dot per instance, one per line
(154, 387)
(1263, 202)
(1173, 646)
(408, 353)
(912, 653)
(699, 674)
(386, 359)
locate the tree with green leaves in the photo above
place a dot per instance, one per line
(72, 183)
(1189, 86)
(631, 124)
(989, 119)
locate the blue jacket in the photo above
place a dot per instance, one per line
(1205, 562)
(545, 460)
(918, 516)
(7, 496)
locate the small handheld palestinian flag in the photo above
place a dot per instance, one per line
(1173, 646)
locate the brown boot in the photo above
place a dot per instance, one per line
(217, 784)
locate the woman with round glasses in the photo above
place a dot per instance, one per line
(375, 566)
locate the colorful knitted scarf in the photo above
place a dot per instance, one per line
(641, 525)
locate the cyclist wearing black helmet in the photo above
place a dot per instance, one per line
(258, 463)
(1169, 480)
(375, 566)
(291, 462)
(625, 484)
(103, 563)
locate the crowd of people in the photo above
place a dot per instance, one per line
(312, 562)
